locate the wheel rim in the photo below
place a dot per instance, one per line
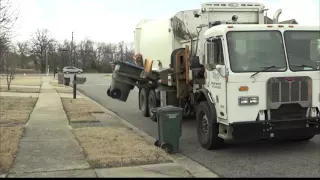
(204, 126)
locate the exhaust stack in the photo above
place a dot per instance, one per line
(276, 16)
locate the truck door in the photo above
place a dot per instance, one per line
(216, 74)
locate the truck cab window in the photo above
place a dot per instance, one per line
(303, 50)
(250, 51)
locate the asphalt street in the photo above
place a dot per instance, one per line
(263, 159)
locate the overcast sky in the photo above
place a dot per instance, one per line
(115, 20)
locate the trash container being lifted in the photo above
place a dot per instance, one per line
(169, 128)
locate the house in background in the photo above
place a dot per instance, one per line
(291, 21)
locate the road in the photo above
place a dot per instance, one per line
(263, 159)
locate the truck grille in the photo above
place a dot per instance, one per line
(283, 90)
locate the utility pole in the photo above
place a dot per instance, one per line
(47, 65)
(72, 63)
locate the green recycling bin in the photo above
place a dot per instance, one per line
(169, 120)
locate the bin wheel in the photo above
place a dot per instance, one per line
(157, 143)
(143, 100)
(167, 147)
(115, 94)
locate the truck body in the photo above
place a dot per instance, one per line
(241, 78)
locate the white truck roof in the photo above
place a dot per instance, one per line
(224, 28)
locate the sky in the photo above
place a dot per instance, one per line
(115, 20)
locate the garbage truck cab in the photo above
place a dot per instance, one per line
(261, 82)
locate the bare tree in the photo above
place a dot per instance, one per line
(87, 54)
(23, 51)
(8, 17)
(9, 62)
(40, 44)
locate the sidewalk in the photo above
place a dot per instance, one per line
(48, 144)
(48, 147)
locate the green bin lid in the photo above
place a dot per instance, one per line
(169, 108)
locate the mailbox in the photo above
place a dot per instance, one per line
(80, 80)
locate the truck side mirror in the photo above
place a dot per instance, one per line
(210, 55)
(210, 67)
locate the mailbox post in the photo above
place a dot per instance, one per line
(77, 80)
(75, 86)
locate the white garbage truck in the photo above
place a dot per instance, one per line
(241, 78)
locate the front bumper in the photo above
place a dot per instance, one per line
(276, 129)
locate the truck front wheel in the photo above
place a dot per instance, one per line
(143, 102)
(207, 127)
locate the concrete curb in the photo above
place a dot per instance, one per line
(194, 168)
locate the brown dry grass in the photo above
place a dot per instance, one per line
(28, 80)
(20, 89)
(9, 143)
(80, 109)
(16, 109)
(67, 90)
(117, 147)
(27, 71)
(54, 83)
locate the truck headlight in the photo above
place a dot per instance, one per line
(248, 100)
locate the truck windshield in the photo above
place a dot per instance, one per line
(253, 51)
(303, 49)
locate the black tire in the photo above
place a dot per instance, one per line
(143, 99)
(207, 127)
(167, 147)
(152, 102)
(139, 99)
(157, 143)
(108, 92)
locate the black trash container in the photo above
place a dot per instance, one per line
(66, 81)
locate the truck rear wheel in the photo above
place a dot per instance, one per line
(143, 102)
(152, 102)
(207, 127)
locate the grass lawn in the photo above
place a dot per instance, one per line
(16, 109)
(79, 110)
(9, 141)
(117, 147)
